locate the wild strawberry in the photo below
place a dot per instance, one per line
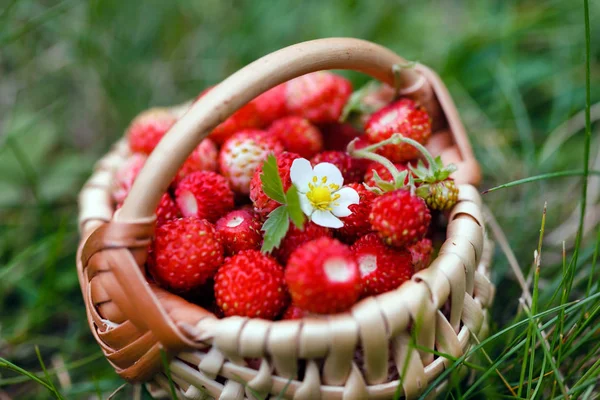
(245, 118)
(400, 218)
(383, 173)
(295, 237)
(251, 284)
(270, 105)
(263, 204)
(405, 117)
(204, 194)
(239, 230)
(126, 175)
(242, 153)
(357, 224)
(148, 128)
(421, 254)
(441, 195)
(352, 169)
(186, 253)
(297, 135)
(294, 312)
(166, 210)
(336, 136)
(322, 276)
(203, 158)
(382, 268)
(318, 96)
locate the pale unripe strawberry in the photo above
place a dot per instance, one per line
(242, 153)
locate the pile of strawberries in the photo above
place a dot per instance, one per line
(209, 224)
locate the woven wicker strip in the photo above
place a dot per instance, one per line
(355, 355)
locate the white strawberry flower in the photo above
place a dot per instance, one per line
(322, 197)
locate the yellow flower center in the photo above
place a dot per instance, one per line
(321, 195)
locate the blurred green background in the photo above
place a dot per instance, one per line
(74, 73)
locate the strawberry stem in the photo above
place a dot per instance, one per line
(420, 147)
(367, 152)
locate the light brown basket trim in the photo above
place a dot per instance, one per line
(457, 248)
(344, 338)
(472, 314)
(446, 340)
(372, 330)
(311, 384)
(122, 333)
(282, 345)
(315, 339)
(436, 282)
(192, 376)
(253, 338)
(262, 382)
(455, 273)
(469, 193)
(233, 390)
(395, 313)
(483, 290)
(409, 365)
(422, 312)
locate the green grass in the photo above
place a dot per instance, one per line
(74, 73)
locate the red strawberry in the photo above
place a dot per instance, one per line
(203, 158)
(239, 230)
(242, 153)
(245, 118)
(400, 218)
(251, 284)
(421, 254)
(204, 194)
(405, 117)
(383, 173)
(323, 277)
(319, 96)
(294, 312)
(357, 224)
(262, 203)
(352, 169)
(381, 268)
(336, 136)
(298, 135)
(126, 175)
(295, 237)
(166, 210)
(186, 253)
(148, 128)
(271, 104)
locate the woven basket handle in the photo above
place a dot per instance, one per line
(256, 78)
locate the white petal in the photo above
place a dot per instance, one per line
(305, 204)
(301, 173)
(348, 196)
(333, 174)
(326, 219)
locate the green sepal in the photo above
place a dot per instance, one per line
(275, 228)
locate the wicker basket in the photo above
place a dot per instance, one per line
(345, 356)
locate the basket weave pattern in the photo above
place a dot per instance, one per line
(346, 356)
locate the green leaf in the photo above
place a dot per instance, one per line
(294, 209)
(271, 181)
(275, 228)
